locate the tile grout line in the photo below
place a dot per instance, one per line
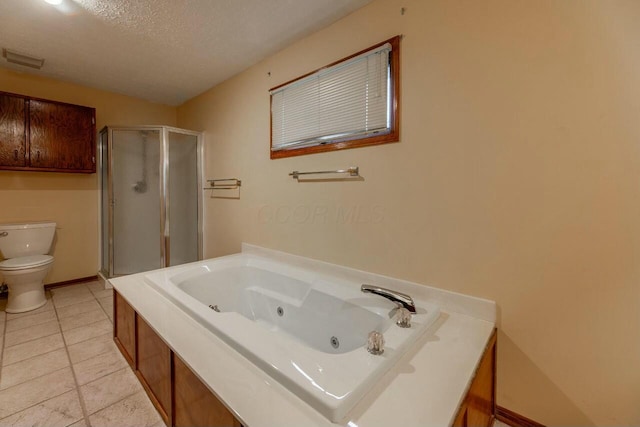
(26, 317)
(85, 414)
(125, 368)
(37, 403)
(80, 397)
(30, 313)
(28, 326)
(120, 400)
(35, 378)
(105, 311)
(30, 357)
(73, 373)
(31, 340)
(57, 320)
(81, 326)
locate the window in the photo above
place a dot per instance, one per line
(351, 103)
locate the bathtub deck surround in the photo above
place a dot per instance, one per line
(305, 329)
(425, 386)
(59, 365)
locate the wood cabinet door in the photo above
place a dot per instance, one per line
(461, 418)
(478, 407)
(124, 329)
(481, 396)
(194, 404)
(61, 136)
(13, 137)
(154, 368)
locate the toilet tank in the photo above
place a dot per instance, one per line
(30, 238)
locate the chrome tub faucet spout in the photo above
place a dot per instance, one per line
(399, 298)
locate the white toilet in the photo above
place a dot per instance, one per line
(24, 248)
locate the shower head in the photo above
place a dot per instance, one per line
(140, 187)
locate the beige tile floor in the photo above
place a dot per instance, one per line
(60, 367)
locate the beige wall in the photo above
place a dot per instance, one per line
(69, 199)
(516, 179)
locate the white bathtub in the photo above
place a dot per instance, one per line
(307, 331)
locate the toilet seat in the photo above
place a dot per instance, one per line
(22, 263)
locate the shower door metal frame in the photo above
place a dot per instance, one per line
(165, 238)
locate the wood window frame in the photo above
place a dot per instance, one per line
(392, 136)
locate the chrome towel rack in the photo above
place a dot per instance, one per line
(352, 171)
(223, 184)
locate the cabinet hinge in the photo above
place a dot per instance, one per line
(93, 120)
(93, 159)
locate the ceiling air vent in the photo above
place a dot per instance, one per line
(22, 59)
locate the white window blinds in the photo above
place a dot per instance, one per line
(349, 100)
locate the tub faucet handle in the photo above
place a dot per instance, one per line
(404, 318)
(375, 343)
(399, 298)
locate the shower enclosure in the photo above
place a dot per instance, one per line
(150, 198)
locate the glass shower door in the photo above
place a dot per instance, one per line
(136, 201)
(104, 200)
(151, 198)
(183, 198)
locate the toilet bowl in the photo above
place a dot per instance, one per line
(25, 247)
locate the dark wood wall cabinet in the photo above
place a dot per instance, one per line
(177, 393)
(46, 136)
(479, 405)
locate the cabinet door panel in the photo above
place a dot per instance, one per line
(480, 400)
(154, 366)
(62, 136)
(478, 407)
(195, 405)
(12, 131)
(125, 328)
(461, 418)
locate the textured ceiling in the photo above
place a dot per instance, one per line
(165, 51)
